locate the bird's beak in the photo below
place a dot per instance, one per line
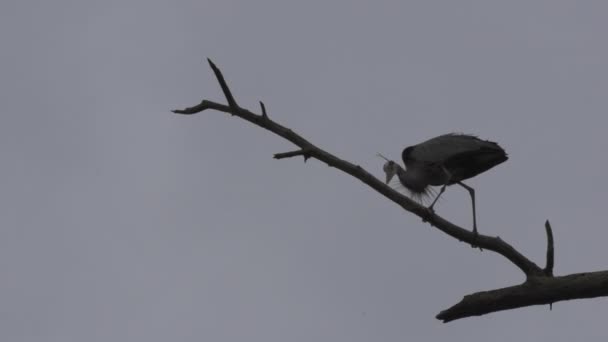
(389, 176)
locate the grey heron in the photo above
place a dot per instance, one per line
(445, 160)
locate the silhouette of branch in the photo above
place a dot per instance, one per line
(537, 291)
(540, 286)
(264, 115)
(304, 152)
(220, 78)
(550, 252)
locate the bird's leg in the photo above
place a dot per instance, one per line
(437, 197)
(448, 179)
(472, 193)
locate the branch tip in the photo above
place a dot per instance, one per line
(225, 89)
(550, 250)
(264, 114)
(306, 153)
(205, 104)
(211, 64)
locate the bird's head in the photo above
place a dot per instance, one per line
(390, 168)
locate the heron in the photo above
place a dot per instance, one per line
(445, 160)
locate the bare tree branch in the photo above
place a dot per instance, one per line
(201, 107)
(225, 89)
(264, 115)
(540, 286)
(550, 252)
(539, 291)
(304, 152)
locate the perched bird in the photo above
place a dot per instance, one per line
(445, 160)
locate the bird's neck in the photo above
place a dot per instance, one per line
(413, 179)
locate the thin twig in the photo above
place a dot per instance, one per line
(304, 152)
(224, 85)
(204, 105)
(264, 115)
(550, 250)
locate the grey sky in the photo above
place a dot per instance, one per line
(123, 222)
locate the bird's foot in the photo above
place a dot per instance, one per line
(428, 214)
(475, 237)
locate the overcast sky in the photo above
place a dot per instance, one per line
(124, 222)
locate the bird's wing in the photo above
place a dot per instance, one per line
(439, 149)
